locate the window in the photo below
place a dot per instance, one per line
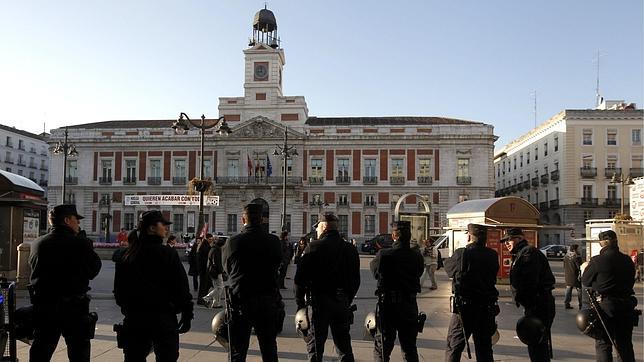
(587, 137)
(9, 142)
(21, 162)
(72, 169)
(343, 167)
(343, 199)
(155, 168)
(343, 225)
(287, 223)
(521, 160)
(289, 167)
(316, 167)
(314, 219)
(231, 225)
(463, 169)
(611, 214)
(587, 161)
(370, 200)
(514, 163)
(463, 197)
(129, 221)
(207, 168)
(636, 161)
(504, 167)
(588, 214)
(536, 197)
(179, 168)
(611, 137)
(370, 224)
(546, 196)
(587, 191)
(370, 167)
(636, 137)
(556, 193)
(611, 192)
(611, 162)
(545, 149)
(536, 153)
(43, 165)
(19, 172)
(397, 167)
(233, 167)
(177, 223)
(21, 145)
(106, 169)
(32, 175)
(527, 158)
(130, 170)
(424, 168)
(556, 144)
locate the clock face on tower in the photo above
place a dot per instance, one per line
(261, 71)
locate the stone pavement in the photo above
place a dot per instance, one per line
(199, 345)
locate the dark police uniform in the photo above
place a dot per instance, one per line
(473, 270)
(611, 274)
(329, 271)
(251, 260)
(398, 271)
(532, 283)
(62, 265)
(151, 287)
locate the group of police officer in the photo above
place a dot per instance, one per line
(151, 288)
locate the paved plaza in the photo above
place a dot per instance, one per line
(199, 345)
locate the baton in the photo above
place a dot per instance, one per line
(598, 310)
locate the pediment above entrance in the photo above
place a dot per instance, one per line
(263, 128)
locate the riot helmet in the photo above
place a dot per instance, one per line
(530, 330)
(219, 327)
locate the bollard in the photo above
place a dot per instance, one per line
(24, 269)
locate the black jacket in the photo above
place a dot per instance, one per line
(530, 275)
(215, 267)
(327, 265)
(611, 273)
(62, 264)
(202, 257)
(398, 269)
(251, 259)
(473, 270)
(572, 265)
(152, 282)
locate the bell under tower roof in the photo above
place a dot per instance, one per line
(265, 29)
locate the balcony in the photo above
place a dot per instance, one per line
(71, 180)
(33, 150)
(154, 181)
(342, 180)
(545, 179)
(370, 203)
(526, 185)
(316, 180)
(397, 180)
(463, 180)
(520, 186)
(8, 160)
(535, 182)
(9, 144)
(129, 181)
(369, 180)
(179, 180)
(588, 172)
(21, 147)
(612, 202)
(33, 165)
(610, 172)
(44, 153)
(589, 201)
(43, 183)
(105, 180)
(554, 204)
(543, 206)
(21, 163)
(272, 180)
(425, 180)
(343, 203)
(554, 175)
(513, 188)
(44, 168)
(637, 172)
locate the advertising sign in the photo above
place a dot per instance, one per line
(637, 199)
(30, 228)
(169, 200)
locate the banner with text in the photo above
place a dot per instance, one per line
(169, 200)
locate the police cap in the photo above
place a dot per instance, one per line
(152, 217)
(400, 225)
(64, 210)
(475, 229)
(511, 233)
(326, 217)
(608, 235)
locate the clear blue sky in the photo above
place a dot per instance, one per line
(66, 62)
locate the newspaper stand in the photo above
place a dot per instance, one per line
(7, 325)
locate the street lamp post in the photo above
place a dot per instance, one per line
(107, 201)
(286, 152)
(624, 181)
(67, 149)
(181, 126)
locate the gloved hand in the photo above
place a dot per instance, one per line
(185, 323)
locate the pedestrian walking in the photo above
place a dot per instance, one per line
(473, 270)
(286, 258)
(328, 274)
(430, 256)
(216, 270)
(62, 264)
(205, 282)
(572, 273)
(251, 259)
(397, 271)
(192, 263)
(299, 250)
(151, 287)
(532, 282)
(121, 237)
(611, 276)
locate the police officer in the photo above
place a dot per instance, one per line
(62, 265)
(329, 273)
(473, 271)
(532, 283)
(398, 271)
(151, 287)
(611, 275)
(251, 259)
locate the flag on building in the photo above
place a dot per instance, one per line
(204, 230)
(269, 167)
(250, 166)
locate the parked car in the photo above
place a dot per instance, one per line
(554, 251)
(381, 241)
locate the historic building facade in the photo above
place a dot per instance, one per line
(25, 154)
(355, 166)
(565, 166)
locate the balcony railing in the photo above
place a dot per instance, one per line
(526, 185)
(21, 147)
(370, 203)
(154, 180)
(261, 180)
(554, 204)
(588, 172)
(129, 181)
(43, 183)
(22, 163)
(554, 175)
(612, 202)
(9, 144)
(425, 180)
(33, 150)
(369, 180)
(589, 201)
(342, 180)
(8, 160)
(520, 186)
(33, 165)
(44, 168)
(513, 188)
(463, 180)
(343, 203)
(71, 180)
(545, 179)
(397, 180)
(178, 180)
(543, 206)
(610, 172)
(105, 180)
(637, 172)
(316, 180)
(535, 182)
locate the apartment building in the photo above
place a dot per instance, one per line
(25, 154)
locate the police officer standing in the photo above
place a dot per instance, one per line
(151, 287)
(532, 283)
(398, 271)
(611, 275)
(251, 259)
(62, 265)
(329, 274)
(473, 270)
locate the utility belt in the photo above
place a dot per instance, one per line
(393, 297)
(458, 302)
